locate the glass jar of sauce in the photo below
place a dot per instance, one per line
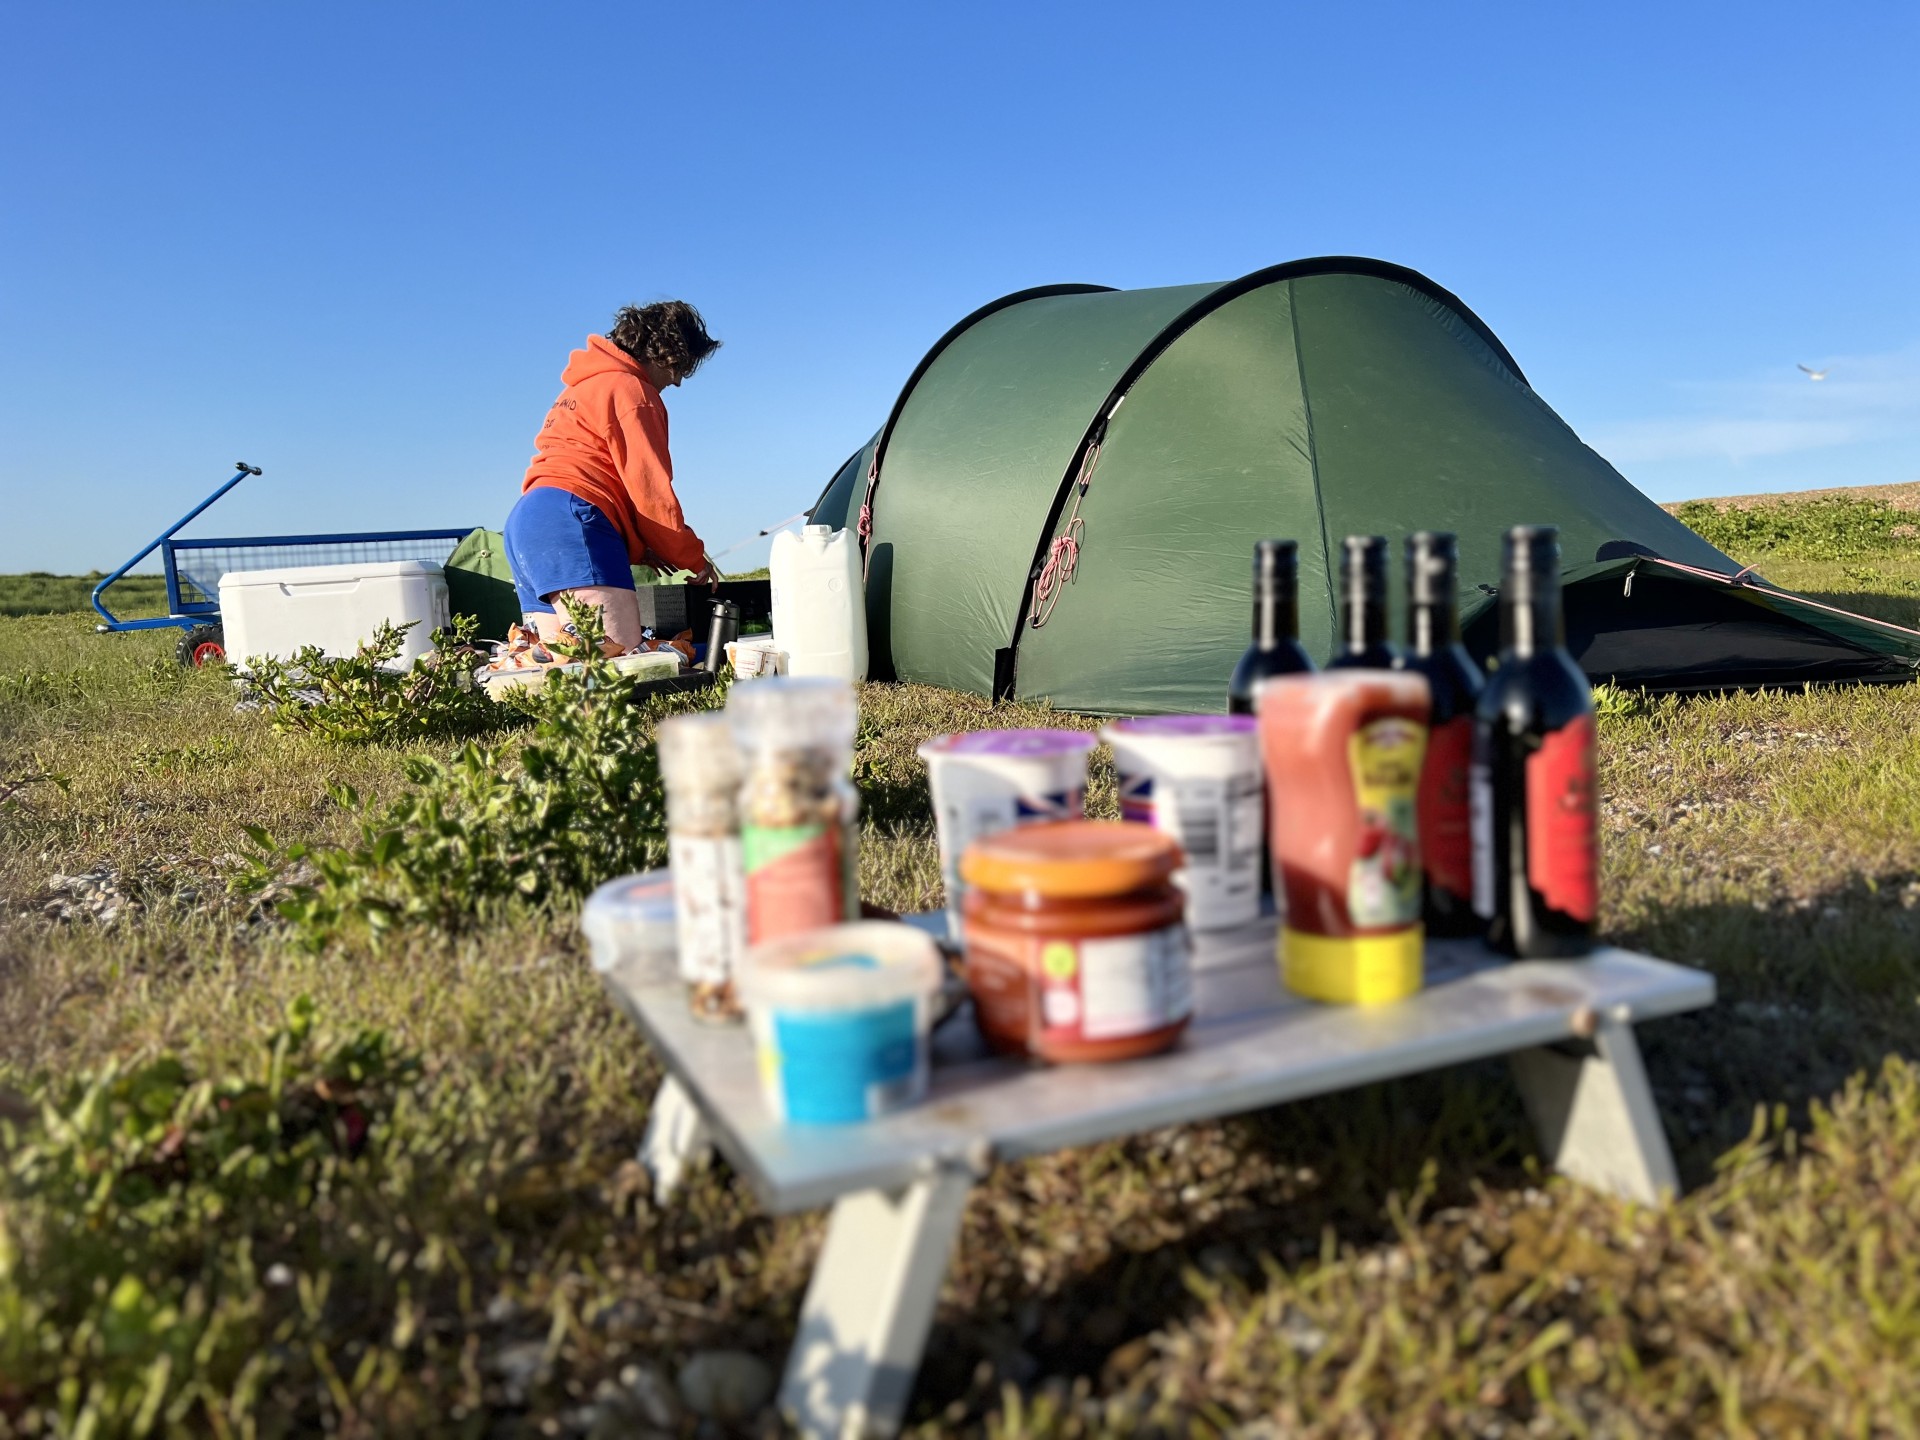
(1076, 943)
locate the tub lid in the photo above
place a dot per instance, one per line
(1072, 859)
(1038, 743)
(630, 917)
(1183, 727)
(842, 967)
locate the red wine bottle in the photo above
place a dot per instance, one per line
(1535, 838)
(1275, 650)
(1363, 607)
(1435, 651)
(1276, 624)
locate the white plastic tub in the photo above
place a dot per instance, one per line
(986, 781)
(841, 1018)
(1197, 778)
(819, 605)
(336, 607)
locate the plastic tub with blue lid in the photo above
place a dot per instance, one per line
(841, 1018)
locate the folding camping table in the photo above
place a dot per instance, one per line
(898, 1184)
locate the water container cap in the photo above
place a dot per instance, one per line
(631, 918)
(819, 530)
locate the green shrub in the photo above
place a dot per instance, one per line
(138, 1215)
(578, 801)
(362, 700)
(1835, 527)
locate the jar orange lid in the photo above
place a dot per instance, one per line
(1072, 859)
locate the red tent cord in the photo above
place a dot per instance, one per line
(1063, 556)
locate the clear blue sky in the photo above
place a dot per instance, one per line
(354, 243)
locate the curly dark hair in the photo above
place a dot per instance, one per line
(670, 333)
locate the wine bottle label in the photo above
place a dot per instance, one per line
(1446, 844)
(1480, 807)
(1562, 838)
(1383, 880)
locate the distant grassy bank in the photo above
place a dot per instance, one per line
(39, 593)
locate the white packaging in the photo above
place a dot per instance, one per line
(1197, 779)
(754, 657)
(336, 607)
(986, 781)
(819, 605)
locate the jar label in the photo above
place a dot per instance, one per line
(1057, 990)
(1383, 878)
(1446, 841)
(1562, 841)
(798, 877)
(709, 905)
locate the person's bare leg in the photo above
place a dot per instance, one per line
(619, 612)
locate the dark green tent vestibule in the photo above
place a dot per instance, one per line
(1142, 440)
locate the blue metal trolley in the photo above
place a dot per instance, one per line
(194, 567)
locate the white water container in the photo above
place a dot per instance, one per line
(819, 608)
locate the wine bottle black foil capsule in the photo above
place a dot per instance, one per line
(1276, 625)
(1362, 642)
(1434, 650)
(1535, 839)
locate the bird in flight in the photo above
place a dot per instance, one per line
(1814, 374)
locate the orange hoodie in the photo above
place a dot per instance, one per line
(605, 440)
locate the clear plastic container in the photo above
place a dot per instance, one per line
(700, 764)
(631, 926)
(841, 1018)
(798, 808)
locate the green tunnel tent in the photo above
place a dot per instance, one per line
(1151, 436)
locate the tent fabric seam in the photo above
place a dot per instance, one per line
(1313, 459)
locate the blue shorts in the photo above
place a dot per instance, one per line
(557, 541)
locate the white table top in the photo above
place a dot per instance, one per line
(1251, 1044)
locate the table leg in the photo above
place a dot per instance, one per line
(676, 1139)
(867, 1313)
(1594, 1111)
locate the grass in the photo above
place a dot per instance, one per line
(1389, 1262)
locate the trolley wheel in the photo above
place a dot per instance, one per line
(202, 645)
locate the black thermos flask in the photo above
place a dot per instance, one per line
(723, 631)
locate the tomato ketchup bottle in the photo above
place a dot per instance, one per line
(1535, 839)
(1435, 651)
(1342, 752)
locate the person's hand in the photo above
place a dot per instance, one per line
(709, 575)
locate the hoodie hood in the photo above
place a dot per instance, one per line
(601, 357)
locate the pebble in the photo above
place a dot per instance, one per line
(519, 1366)
(649, 1392)
(725, 1385)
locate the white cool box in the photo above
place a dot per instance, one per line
(337, 607)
